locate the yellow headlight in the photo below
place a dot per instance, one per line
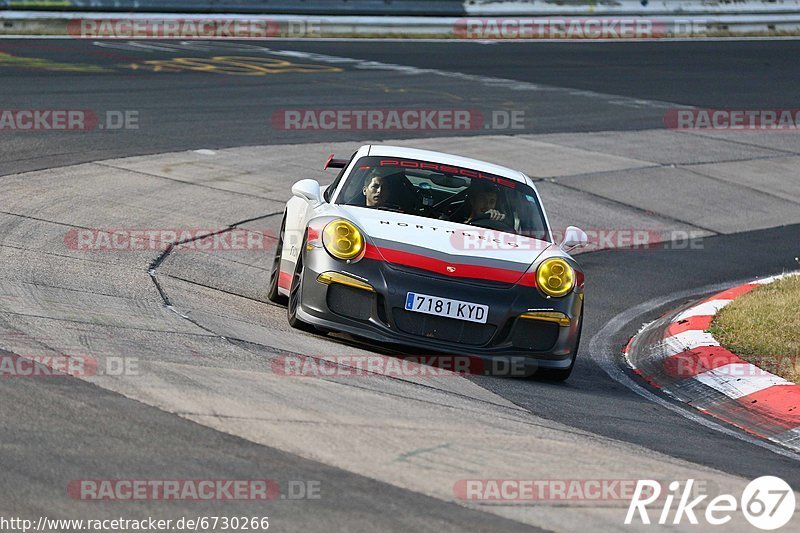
(342, 239)
(555, 277)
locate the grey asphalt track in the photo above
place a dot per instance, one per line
(560, 88)
(54, 431)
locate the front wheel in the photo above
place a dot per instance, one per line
(295, 294)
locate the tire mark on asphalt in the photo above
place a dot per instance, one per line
(153, 272)
(161, 258)
(198, 284)
(403, 456)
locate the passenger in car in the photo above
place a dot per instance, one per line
(480, 203)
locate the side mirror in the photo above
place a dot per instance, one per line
(308, 190)
(573, 238)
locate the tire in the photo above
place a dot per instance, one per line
(295, 294)
(561, 374)
(274, 274)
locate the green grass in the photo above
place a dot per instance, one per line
(763, 327)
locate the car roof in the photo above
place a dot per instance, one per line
(385, 150)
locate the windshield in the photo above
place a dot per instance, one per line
(444, 192)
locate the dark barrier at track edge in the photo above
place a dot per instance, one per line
(443, 8)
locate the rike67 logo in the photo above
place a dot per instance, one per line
(767, 503)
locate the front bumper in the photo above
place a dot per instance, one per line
(381, 316)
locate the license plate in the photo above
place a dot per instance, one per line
(433, 305)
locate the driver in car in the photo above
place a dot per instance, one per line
(376, 189)
(481, 202)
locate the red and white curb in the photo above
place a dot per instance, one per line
(677, 355)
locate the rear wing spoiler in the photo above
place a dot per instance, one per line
(335, 163)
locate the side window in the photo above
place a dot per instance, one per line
(332, 187)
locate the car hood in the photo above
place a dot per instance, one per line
(443, 247)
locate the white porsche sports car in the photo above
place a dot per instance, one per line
(435, 251)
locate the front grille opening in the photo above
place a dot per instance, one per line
(349, 302)
(442, 328)
(534, 335)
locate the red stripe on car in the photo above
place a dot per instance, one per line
(456, 270)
